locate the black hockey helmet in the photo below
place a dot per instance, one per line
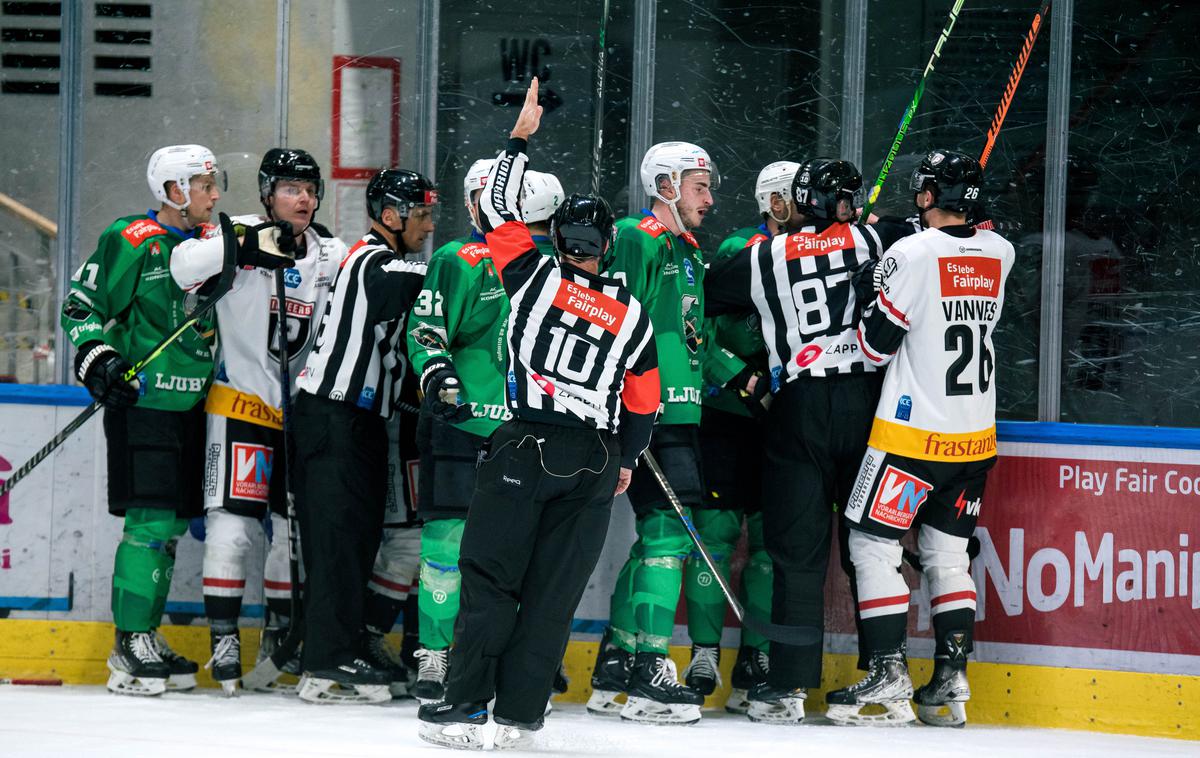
(954, 178)
(398, 188)
(821, 182)
(288, 163)
(582, 227)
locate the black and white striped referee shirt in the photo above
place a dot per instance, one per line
(357, 357)
(799, 284)
(581, 347)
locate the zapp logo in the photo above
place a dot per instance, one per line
(251, 478)
(898, 498)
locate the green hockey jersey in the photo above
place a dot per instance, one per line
(665, 272)
(740, 334)
(123, 295)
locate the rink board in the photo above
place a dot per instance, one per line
(1088, 580)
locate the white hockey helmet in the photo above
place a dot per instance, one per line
(476, 177)
(543, 195)
(774, 178)
(672, 159)
(178, 164)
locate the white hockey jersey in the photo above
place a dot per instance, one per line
(246, 384)
(939, 301)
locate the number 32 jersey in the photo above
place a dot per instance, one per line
(940, 293)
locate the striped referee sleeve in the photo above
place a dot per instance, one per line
(501, 200)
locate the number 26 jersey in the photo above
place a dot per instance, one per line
(940, 294)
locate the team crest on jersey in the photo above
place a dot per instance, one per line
(251, 476)
(473, 253)
(691, 322)
(299, 326)
(429, 337)
(898, 497)
(141, 230)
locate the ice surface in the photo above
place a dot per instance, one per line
(88, 721)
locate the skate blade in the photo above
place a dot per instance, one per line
(329, 692)
(948, 714)
(787, 711)
(457, 736)
(181, 682)
(230, 688)
(604, 703)
(896, 713)
(738, 702)
(511, 737)
(122, 683)
(642, 710)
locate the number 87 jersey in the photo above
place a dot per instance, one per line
(940, 293)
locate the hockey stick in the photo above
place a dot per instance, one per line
(271, 667)
(224, 282)
(789, 635)
(601, 60)
(910, 111)
(1014, 79)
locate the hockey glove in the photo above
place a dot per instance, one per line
(443, 392)
(102, 370)
(268, 246)
(757, 399)
(863, 281)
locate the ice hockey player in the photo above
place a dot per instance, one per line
(243, 484)
(731, 449)
(660, 261)
(347, 391)
(933, 441)
(122, 302)
(824, 392)
(456, 338)
(583, 390)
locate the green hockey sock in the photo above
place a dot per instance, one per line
(757, 579)
(720, 530)
(657, 578)
(620, 613)
(142, 568)
(441, 581)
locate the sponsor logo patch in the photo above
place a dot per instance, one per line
(473, 253)
(140, 231)
(251, 479)
(898, 497)
(964, 507)
(904, 408)
(969, 276)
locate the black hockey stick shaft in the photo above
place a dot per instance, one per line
(223, 284)
(789, 635)
(296, 632)
(601, 61)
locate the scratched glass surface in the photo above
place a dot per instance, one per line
(955, 111)
(751, 84)
(1131, 321)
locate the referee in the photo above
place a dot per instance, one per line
(583, 389)
(345, 395)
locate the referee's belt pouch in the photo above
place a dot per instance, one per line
(512, 469)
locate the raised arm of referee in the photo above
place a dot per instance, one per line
(583, 389)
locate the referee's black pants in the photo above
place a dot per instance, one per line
(816, 433)
(339, 479)
(534, 532)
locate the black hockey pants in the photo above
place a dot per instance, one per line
(816, 434)
(534, 532)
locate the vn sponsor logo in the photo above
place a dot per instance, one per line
(251, 478)
(898, 498)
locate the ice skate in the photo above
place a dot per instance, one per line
(450, 725)
(561, 680)
(776, 705)
(135, 665)
(610, 677)
(703, 673)
(379, 654)
(886, 684)
(183, 671)
(750, 669)
(942, 702)
(266, 676)
(431, 675)
(226, 660)
(656, 696)
(514, 734)
(351, 683)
